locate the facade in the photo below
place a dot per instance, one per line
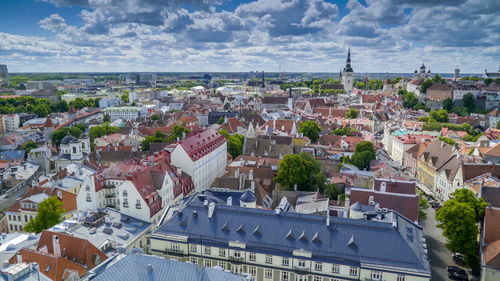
(203, 156)
(11, 122)
(348, 74)
(432, 160)
(490, 245)
(72, 150)
(274, 245)
(40, 85)
(123, 112)
(402, 143)
(461, 90)
(439, 92)
(140, 189)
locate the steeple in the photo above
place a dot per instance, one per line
(348, 67)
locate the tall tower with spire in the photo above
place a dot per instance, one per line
(348, 74)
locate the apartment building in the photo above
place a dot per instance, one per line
(284, 246)
(10, 122)
(123, 112)
(432, 160)
(203, 156)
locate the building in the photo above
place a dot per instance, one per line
(439, 92)
(11, 122)
(123, 112)
(276, 102)
(459, 91)
(431, 161)
(402, 143)
(137, 188)
(40, 85)
(139, 267)
(422, 73)
(22, 271)
(41, 156)
(203, 156)
(490, 245)
(4, 75)
(72, 150)
(109, 102)
(348, 74)
(26, 207)
(61, 257)
(276, 245)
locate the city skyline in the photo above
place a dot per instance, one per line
(393, 36)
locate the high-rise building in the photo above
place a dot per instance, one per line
(348, 74)
(4, 75)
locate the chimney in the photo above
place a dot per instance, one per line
(237, 173)
(250, 175)
(19, 258)
(327, 217)
(57, 246)
(383, 187)
(149, 268)
(295, 187)
(230, 201)
(179, 171)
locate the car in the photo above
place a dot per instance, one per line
(458, 277)
(458, 259)
(455, 269)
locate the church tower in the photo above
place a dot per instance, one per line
(348, 74)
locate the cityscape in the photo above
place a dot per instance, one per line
(256, 140)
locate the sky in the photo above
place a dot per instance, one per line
(252, 35)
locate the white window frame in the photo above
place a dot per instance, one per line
(335, 268)
(285, 262)
(401, 277)
(269, 259)
(353, 271)
(376, 275)
(268, 273)
(318, 266)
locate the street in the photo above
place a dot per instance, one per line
(439, 255)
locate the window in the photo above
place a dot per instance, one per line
(401, 277)
(193, 260)
(268, 273)
(237, 254)
(316, 278)
(138, 204)
(10, 217)
(301, 278)
(318, 266)
(125, 194)
(269, 259)
(14, 218)
(222, 252)
(285, 262)
(208, 263)
(175, 247)
(335, 279)
(207, 250)
(353, 271)
(192, 248)
(335, 268)
(252, 270)
(252, 257)
(285, 276)
(25, 218)
(302, 263)
(376, 275)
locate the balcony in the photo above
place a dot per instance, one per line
(108, 185)
(110, 195)
(300, 267)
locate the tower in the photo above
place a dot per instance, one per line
(456, 75)
(348, 74)
(85, 141)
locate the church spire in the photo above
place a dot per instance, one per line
(348, 67)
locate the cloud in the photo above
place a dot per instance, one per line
(301, 35)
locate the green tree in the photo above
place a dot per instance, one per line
(352, 114)
(235, 145)
(460, 110)
(437, 79)
(49, 214)
(423, 204)
(221, 120)
(60, 133)
(439, 115)
(101, 131)
(106, 118)
(346, 131)
(469, 102)
(363, 154)
(29, 145)
(124, 98)
(448, 104)
(155, 117)
(426, 86)
(459, 218)
(301, 170)
(178, 132)
(488, 81)
(310, 129)
(332, 192)
(448, 140)
(410, 100)
(498, 124)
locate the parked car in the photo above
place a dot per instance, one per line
(458, 259)
(458, 277)
(455, 269)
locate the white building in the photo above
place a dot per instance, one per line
(123, 112)
(11, 122)
(140, 189)
(348, 74)
(460, 91)
(72, 150)
(40, 85)
(203, 156)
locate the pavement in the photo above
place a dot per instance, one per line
(439, 255)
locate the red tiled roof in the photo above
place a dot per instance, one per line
(407, 205)
(202, 143)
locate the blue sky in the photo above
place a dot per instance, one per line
(230, 35)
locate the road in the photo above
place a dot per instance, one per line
(439, 255)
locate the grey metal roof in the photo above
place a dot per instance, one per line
(139, 267)
(385, 244)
